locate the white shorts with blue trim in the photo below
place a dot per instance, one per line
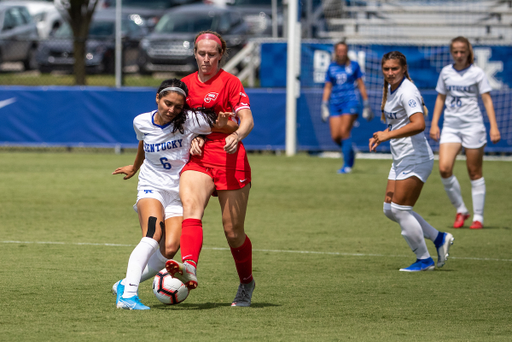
(170, 201)
(421, 171)
(474, 136)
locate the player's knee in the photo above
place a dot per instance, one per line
(387, 211)
(150, 233)
(445, 171)
(235, 237)
(170, 249)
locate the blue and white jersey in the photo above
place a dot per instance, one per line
(165, 152)
(462, 89)
(343, 78)
(401, 103)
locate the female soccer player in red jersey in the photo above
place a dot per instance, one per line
(222, 169)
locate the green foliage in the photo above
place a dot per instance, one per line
(326, 259)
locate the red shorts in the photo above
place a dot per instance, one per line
(223, 179)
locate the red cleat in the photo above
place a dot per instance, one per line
(459, 220)
(476, 225)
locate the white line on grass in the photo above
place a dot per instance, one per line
(254, 250)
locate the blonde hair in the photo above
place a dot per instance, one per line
(403, 63)
(347, 63)
(461, 39)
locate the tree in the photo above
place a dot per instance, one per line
(79, 13)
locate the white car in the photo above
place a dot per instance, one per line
(45, 15)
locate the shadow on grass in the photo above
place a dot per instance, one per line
(206, 306)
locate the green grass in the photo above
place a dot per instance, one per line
(326, 259)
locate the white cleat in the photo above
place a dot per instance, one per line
(114, 287)
(184, 272)
(442, 251)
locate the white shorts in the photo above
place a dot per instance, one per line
(170, 201)
(472, 137)
(422, 171)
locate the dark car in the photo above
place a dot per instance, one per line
(57, 53)
(258, 15)
(146, 12)
(170, 47)
(18, 35)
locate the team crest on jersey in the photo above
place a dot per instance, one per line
(242, 94)
(412, 103)
(348, 69)
(212, 96)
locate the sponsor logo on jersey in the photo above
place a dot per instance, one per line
(244, 104)
(412, 103)
(242, 94)
(212, 96)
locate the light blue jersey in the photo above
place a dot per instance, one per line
(343, 78)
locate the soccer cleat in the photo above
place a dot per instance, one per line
(459, 220)
(114, 288)
(420, 265)
(119, 291)
(184, 272)
(442, 251)
(132, 303)
(345, 170)
(476, 225)
(244, 294)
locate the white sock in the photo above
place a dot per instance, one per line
(411, 230)
(452, 188)
(155, 264)
(388, 212)
(478, 195)
(138, 260)
(428, 231)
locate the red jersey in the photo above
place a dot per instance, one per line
(224, 93)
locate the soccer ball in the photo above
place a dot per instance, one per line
(169, 290)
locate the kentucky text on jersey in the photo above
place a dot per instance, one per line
(459, 88)
(162, 146)
(390, 115)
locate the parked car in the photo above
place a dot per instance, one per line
(170, 47)
(57, 53)
(18, 35)
(45, 15)
(258, 15)
(145, 12)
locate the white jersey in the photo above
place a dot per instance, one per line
(400, 105)
(165, 152)
(462, 89)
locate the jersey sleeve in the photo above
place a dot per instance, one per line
(412, 103)
(483, 83)
(197, 123)
(441, 86)
(137, 127)
(238, 99)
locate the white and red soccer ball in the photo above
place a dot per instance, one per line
(169, 290)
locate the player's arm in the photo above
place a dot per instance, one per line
(494, 132)
(246, 126)
(435, 133)
(415, 126)
(225, 127)
(130, 170)
(362, 89)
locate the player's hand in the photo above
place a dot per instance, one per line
(232, 143)
(128, 170)
(373, 144)
(435, 132)
(196, 146)
(325, 111)
(367, 111)
(495, 135)
(378, 137)
(222, 119)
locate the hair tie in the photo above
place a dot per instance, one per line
(176, 89)
(209, 36)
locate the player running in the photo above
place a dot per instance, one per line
(458, 88)
(403, 108)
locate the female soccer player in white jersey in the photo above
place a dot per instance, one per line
(340, 102)
(458, 88)
(165, 137)
(403, 109)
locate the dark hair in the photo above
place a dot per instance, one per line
(460, 39)
(179, 120)
(342, 43)
(403, 63)
(222, 49)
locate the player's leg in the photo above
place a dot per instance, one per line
(447, 154)
(195, 191)
(151, 218)
(346, 125)
(233, 205)
(474, 163)
(335, 127)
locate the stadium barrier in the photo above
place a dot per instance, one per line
(102, 117)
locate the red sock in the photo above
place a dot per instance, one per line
(243, 261)
(191, 240)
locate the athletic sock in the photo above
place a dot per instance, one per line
(243, 261)
(411, 230)
(348, 152)
(428, 231)
(191, 240)
(136, 264)
(387, 211)
(452, 188)
(155, 264)
(478, 195)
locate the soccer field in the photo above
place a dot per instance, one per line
(325, 257)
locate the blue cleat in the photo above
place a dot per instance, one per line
(114, 287)
(420, 265)
(132, 303)
(345, 170)
(119, 291)
(444, 248)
